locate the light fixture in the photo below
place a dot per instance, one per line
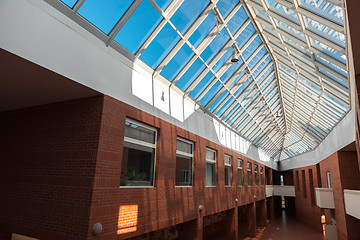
(235, 56)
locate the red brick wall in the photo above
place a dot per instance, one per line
(164, 205)
(305, 211)
(343, 167)
(61, 170)
(48, 157)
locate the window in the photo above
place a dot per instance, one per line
(210, 167)
(262, 176)
(312, 188)
(240, 173)
(256, 174)
(297, 181)
(304, 183)
(138, 164)
(329, 179)
(228, 177)
(184, 162)
(249, 173)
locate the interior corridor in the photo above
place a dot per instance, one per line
(286, 228)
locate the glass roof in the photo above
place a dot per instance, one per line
(287, 91)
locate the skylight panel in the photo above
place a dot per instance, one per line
(270, 80)
(69, 3)
(177, 63)
(219, 100)
(203, 30)
(251, 48)
(237, 20)
(328, 50)
(190, 75)
(237, 106)
(225, 6)
(283, 11)
(225, 58)
(215, 46)
(325, 32)
(237, 80)
(290, 30)
(225, 106)
(163, 4)
(202, 85)
(211, 93)
(104, 14)
(229, 72)
(324, 9)
(261, 67)
(245, 35)
(164, 41)
(332, 66)
(187, 13)
(139, 26)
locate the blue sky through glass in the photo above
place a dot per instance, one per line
(70, 3)
(177, 63)
(187, 13)
(104, 14)
(160, 46)
(140, 25)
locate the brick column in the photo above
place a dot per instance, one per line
(232, 228)
(272, 210)
(251, 219)
(200, 226)
(263, 213)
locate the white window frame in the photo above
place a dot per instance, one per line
(256, 174)
(180, 153)
(262, 180)
(240, 167)
(249, 171)
(228, 165)
(328, 176)
(145, 144)
(212, 162)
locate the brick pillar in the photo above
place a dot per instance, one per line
(200, 226)
(232, 228)
(263, 213)
(272, 210)
(251, 219)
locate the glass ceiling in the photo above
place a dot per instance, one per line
(287, 91)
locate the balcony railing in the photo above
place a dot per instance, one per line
(325, 198)
(277, 190)
(352, 200)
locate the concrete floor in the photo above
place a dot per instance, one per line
(283, 228)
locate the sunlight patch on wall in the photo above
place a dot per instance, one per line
(230, 139)
(263, 156)
(127, 221)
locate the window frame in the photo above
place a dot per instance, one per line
(230, 168)
(186, 155)
(145, 144)
(240, 167)
(262, 180)
(256, 174)
(328, 177)
(210, 161)
(249, 164)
